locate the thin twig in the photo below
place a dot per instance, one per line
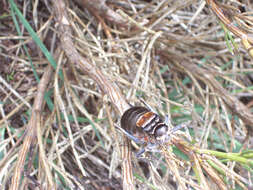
(231, 101)
(99, 7)
(247, 40)
(31, 128)
(107, 86)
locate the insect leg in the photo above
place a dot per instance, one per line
(178, 127)
(147, 105)
(140, 152)
(130, 104)
(166, 120)
(152, 147)
(130, 136)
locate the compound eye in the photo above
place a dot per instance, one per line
(161, 131)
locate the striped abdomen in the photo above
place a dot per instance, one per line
(140, 119)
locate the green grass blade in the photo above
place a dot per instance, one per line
(34, 36)
(25, 48)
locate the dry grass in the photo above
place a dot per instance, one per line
(89, 60)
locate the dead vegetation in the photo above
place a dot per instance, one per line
(70, 69)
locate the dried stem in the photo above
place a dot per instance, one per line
(202, 74)
(108, 87)
(247, 40)
(31, 129)
(99, 8)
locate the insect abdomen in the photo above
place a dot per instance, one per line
(140, 119)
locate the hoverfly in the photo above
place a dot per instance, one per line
(144, 126)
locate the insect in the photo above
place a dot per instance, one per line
(144, 126)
